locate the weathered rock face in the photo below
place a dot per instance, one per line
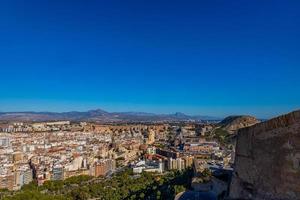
(267, 162)
(233, 123)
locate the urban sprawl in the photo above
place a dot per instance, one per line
(43, 151)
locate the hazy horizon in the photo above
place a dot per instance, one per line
(166, 110)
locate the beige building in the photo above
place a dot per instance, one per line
(151, 137)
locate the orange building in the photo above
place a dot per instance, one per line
(7, 181)
(103, 167)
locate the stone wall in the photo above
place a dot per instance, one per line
(267, 163)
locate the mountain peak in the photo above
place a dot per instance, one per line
(179, 114)
(98, 110)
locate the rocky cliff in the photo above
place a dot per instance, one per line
(267, 163)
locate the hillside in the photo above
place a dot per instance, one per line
(225, 131)
(233, 123)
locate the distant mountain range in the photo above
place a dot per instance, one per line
(100, 116)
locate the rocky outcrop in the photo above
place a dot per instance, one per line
(267, 162)
(233, 123)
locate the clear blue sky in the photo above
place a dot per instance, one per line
(198, 57)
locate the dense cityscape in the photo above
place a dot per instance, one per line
(161, 160)
(52, 151)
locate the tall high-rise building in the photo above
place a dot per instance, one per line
(58, 172)
(4, 141)
(27, 176)
(7, 181)
(151, 137)
(104, 166)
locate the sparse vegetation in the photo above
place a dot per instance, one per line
(222, 136)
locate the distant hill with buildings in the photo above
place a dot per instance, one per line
(99, 115)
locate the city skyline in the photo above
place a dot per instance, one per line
(199, 58)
